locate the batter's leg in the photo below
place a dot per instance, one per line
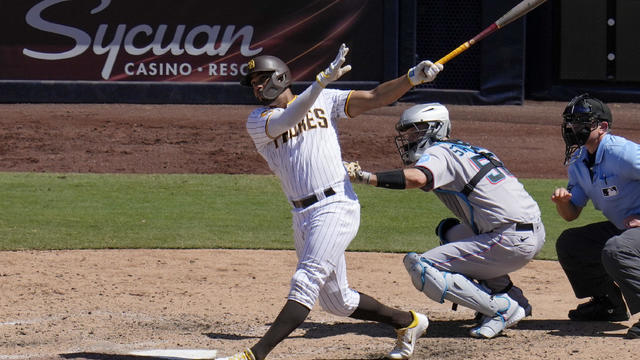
(291, 316)
(372, 310)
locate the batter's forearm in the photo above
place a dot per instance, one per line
(384, 94)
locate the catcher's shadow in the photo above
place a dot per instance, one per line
(567, 327)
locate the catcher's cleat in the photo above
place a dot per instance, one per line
(599, 308)
(244, 355)
(492, 326)
(634, 331)
(408, 336)
(528, 311)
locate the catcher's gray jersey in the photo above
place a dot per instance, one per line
(308, 161)
(498, 199)
(505, 230)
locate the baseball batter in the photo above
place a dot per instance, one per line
(297, 136)
(497, 228)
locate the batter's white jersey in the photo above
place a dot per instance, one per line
(498, 199)
(308, 161)
(307, 158)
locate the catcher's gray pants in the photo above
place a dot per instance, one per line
(596, 255)
(489, 257)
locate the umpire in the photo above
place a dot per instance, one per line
(601, 260)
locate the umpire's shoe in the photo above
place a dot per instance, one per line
(600, 308)
(634, 331)
(408, 336)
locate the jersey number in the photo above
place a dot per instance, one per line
(494, 176)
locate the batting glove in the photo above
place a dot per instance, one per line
(424, 72)
(334, 71)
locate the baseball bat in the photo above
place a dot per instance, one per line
(514, 14)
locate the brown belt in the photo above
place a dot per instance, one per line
(308, 201)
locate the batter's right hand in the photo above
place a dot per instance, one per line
(334, 71)
(424, 72)
(561, 195)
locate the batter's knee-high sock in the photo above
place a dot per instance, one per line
(291, 316)
(371, 309)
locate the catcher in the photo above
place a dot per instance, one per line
(497, 228)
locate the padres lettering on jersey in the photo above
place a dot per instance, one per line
(307, 157)
(314, 119)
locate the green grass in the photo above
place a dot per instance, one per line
(91, 211)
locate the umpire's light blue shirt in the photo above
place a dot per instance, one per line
(615, 189)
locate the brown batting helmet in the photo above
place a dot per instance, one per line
(280, 78)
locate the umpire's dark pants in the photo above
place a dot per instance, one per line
(621, 259)
(596, 255)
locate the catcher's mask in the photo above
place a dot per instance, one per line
(278, 76)
(419, 127)
(582, 115)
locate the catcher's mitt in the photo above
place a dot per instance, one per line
(356, 174)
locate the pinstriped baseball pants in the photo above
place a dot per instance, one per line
(322, 233)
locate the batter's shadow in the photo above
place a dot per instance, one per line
(319, 330)
(104, 356)
(566, 327)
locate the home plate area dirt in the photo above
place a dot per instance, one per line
(89, 304)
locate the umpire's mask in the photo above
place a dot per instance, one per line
(581, 116)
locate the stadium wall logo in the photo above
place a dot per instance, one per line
(197, 41)
(219, 39)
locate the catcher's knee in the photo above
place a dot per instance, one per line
(443, 227)
(451, 230)
(426, 278)
(443, 285)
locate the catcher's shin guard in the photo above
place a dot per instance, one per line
(442, 285)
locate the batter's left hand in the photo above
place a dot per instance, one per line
(334, 71)
(632, 221)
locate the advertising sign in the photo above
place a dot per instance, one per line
(184, 41)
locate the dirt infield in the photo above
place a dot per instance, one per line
(103, 304)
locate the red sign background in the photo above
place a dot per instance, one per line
(186, 41)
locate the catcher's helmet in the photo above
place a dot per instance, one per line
(581, 116)
(279, 80)
(419, 127)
